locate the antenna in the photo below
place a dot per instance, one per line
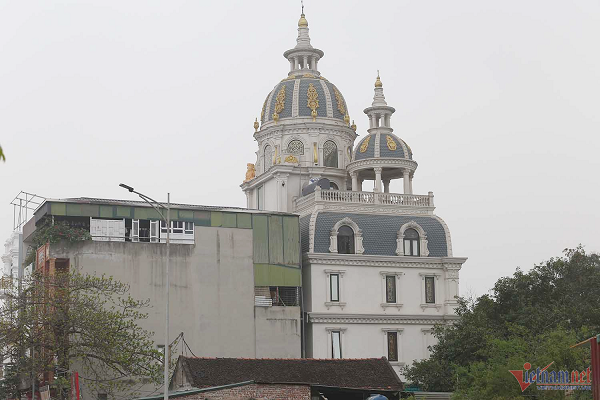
(302, 2)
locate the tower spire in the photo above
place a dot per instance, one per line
(379, 98)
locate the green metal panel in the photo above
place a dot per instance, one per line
(244, 220)
(260, 238)
(216, 218)
(106, 211)
(124, 212)
(145, 213)
(186, 215)
(174, 214)
(276, 275)
(90, 210)
(58, 209)
(229, 220)
(275, 239)
(202, 218)
(74, 210)
(291, 241)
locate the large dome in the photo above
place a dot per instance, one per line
(304, 95)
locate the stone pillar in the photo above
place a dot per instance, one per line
(410, 184)
(360, 185)
(386, 186)
(305, 64)
(373, 125)
(313, 63)
(295, 63)
(405, 179)
(354, 176)
(377, 179)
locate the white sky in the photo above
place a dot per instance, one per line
(499, 101)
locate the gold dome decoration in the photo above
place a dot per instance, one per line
(340, 102)
(302, 22)
(353, 126)
(313, 100)
(365, 144)
(347, 119)
(378, 81)
(256, 125)
(390, 143)
(279, 103)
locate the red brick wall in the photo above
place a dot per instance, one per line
(258, 392)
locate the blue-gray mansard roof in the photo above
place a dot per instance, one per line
(379, 232)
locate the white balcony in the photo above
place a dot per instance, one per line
(364, 201)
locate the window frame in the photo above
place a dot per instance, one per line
(351, 241)
(337, 288)
(384, 300)
(340, 332)
(335, 151)
(399, 351)
(436, 290)
(358, 239)
(328, 285)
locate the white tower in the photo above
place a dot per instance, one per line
(304, 134)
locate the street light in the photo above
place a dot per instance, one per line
(167, 220)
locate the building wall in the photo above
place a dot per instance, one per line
(211, 292)
(256, 391)
(278, 332)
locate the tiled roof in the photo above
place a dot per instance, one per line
(380, 232)
(369, 373)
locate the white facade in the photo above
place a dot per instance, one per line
(378, 269)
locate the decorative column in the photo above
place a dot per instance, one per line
(354, 176)
(292, 67)
(410, 184)
(313, 63)
(305, 64)
(405, 179)
(377, 179)
(386, 186)
(360, 185)
(295, 63)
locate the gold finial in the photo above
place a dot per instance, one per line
(378, 81)
(353, 126)
(302, 22)
(347, 119)
(256, 125)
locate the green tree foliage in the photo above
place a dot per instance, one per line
(529, 317)
(77, 322)
(48, 232)
(2, 157)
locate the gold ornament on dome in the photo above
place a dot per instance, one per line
(378, 81)
(353, 126)
(308, 76)
(250, 173)
(262, 113)
(315, 153)
(340, 102)
(365, 144)
(279, 103)
(256, 125)
(347, 119)
(390, 143)
(313, 100)
(291, 159)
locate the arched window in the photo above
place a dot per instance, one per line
(333, 186)
(330, 154)
(267, 158)
(411, 242)
(345, 240)
(295, 147)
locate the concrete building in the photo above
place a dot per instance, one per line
(235, 274)
(378, 268)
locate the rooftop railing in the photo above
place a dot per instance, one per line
(350, 197)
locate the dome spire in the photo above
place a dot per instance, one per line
(303, 57)
(379, 98)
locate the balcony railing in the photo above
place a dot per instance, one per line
(349, 197)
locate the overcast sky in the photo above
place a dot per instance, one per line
(499, 101)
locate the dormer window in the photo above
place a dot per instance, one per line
(345, 240)
(411, 243)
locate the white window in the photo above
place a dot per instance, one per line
(430, 295)
(189, 228)
(177, 226)
(153, 231)
(181, 232)
(135, 230)
(107, 229)
(346, 238)
(336, 344)
(392, 346)
(390, 289)
(335, 339)
(335, 289)
(412, 241)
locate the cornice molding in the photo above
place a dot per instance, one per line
(450, 263)
(321, 318)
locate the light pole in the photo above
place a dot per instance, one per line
(167, 220)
